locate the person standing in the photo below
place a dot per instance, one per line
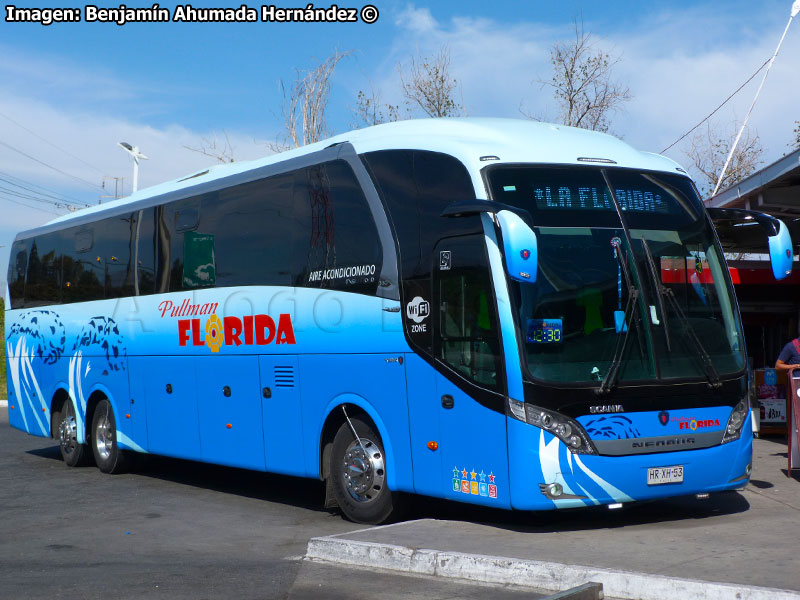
(789, 358)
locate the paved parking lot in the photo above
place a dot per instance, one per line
(178, 529)
(175, 529)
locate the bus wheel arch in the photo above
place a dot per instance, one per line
(57, 404)
(360, 490)
(65, 429)
(101, 434)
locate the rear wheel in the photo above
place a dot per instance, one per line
(73, 453)
(107, 454)
(358, 472)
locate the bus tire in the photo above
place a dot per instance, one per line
(107, 454)
(73, 453)
(358, 473)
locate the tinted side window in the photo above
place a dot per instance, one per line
(339, 246)
(253, 226)
(393, 174)
(113, 240)
(43, 285)
(441, 180)
(84, 276)
(145, 256)
(415, 187)
(185, 248)
(17, 269)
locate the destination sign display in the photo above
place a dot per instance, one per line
(594, 198)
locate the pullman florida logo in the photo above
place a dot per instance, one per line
(215, 332)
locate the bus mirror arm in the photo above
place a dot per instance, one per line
(468, 208)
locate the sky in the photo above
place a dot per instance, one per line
(70, 91)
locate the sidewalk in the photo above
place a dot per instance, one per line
(743, 542)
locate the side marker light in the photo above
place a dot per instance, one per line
(229, 426)
(433, 445)
(615, 505)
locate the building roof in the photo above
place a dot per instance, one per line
(775, 189)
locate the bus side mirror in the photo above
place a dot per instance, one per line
(734, 226)
(519, 244)
(780, 252)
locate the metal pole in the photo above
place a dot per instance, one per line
(795, 10)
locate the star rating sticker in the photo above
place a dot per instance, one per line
(455, 472)
(473, 473)
(491, 477)
(483, 475)
(464, 473)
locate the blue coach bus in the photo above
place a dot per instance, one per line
(506, 313)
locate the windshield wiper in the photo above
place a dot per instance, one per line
(610, 380)
(631, 308)
(651, 265)
(664, 292)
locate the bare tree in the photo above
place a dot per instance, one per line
(222, 152)
(305, 103)
(582, 82)
(709, 149)
(369, 110)
(796, 133)
(429, 85)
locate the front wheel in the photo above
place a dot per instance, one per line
(107, 453)
(358, 471)
(73, 453)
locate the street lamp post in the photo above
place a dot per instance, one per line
(136, 154)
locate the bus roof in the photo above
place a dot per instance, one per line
(468, 139)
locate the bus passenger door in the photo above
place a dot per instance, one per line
(281, 414)
(170, 404)
(470, 375)
(229, 405)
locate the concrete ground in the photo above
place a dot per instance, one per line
(177, 529)
(747, 538)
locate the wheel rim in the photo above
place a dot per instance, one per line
(103, 439)
(68, 432)
(363, 470)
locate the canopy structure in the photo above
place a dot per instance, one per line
(775, 190)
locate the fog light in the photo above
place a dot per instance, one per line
(555, 490)
(748, 468)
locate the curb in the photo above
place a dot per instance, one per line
(625, 585)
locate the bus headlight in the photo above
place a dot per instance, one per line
(567, 430)
(733, 430)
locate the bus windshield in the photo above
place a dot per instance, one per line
(647, 299)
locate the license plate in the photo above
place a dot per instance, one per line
(660, 475)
